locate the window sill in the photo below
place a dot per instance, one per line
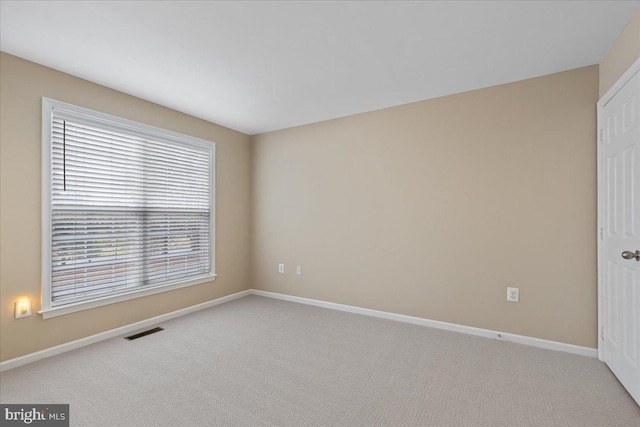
(106, 300)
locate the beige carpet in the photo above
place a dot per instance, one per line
(264, 362)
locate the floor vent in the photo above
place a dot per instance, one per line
(143, 334)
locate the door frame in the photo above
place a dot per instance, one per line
(632, 71)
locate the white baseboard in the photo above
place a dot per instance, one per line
(82, 342)
(502, 336)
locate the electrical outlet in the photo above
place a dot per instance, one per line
(299, 270)
(280, 268)
(513, 294)
(22, 308)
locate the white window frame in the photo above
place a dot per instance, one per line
(48, 106)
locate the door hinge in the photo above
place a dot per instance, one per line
(602, 135)
(602, 333)
(601, 233)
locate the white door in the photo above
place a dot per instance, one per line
(619, 124)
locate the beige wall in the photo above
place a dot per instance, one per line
(624, 52)
(432, 209)
(429, 209)
(22, 84)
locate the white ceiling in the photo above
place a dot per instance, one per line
(262, 66)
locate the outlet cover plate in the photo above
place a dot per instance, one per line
(21, 311)
(513, 294)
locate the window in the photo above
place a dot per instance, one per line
(128, 209)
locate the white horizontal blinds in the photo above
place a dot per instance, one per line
(129, 210)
